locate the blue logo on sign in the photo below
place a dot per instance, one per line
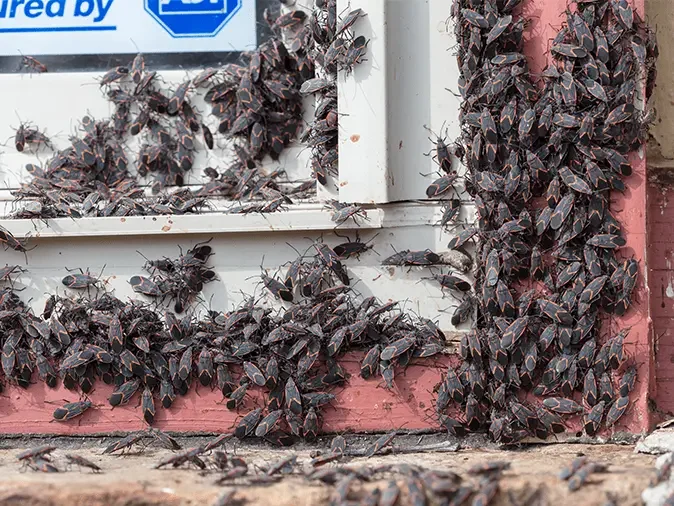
(193, 18)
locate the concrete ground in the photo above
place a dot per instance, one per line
(130, 479)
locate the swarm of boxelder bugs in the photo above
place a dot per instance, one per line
(541, 164)
(177, 280)
(256, 101)
(331, 46)
(562, 146)
(292, 357)
(421, 485)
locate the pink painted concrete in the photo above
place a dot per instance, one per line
(545, 18)
(362, 406)
(630, 209)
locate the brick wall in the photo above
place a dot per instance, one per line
(660, 209)
(661, 284)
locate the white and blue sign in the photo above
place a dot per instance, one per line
(100, 27)
(193, 18)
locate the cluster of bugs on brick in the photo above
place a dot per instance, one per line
(542, 162)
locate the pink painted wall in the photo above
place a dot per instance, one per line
(363, 406)
(629, 208)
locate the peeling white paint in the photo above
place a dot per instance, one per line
(669, 291)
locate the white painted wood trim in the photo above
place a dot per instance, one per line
(363, 124)
(298, 217)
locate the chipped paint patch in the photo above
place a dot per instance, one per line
(669, 291)
(663, 203)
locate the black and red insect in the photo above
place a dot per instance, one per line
(33, 64)
(71, 410)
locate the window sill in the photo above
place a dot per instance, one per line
(297, 217)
